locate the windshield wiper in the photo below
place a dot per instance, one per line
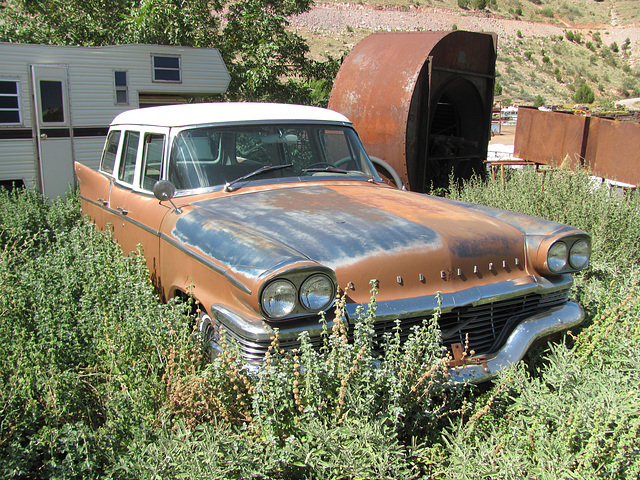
(260, 171)
(326, 169)
(332, 169)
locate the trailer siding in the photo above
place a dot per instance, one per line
(92, 94)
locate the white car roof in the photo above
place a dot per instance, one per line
(211, 113)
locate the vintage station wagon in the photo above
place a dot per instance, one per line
(263, 211)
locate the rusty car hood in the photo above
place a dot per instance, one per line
(405, 240)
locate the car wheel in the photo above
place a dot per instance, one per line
(208, 336)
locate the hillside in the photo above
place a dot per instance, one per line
(546, 48)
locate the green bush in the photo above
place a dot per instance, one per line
(584, 94)
(81, 342)
(99, 380)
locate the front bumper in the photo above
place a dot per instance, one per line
(503, 321)
(526, 333)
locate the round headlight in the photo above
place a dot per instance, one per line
(557, 257)
(316, 292)
(579, 254)
(279, 298)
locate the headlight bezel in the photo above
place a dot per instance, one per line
(278, 287)
(557, 257)
(574, 246)
(572, 254)
(297, 278)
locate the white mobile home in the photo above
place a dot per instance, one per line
(56, 102)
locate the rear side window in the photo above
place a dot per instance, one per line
(110, 151)
(127, 169)
(152, 159)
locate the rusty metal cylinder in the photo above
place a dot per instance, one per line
(421, 101)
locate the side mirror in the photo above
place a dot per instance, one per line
(164, 191)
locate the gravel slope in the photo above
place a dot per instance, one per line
(337, 17)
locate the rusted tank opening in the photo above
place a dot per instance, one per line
(455, 135)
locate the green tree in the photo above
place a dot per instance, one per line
(539, 101)
(584, 94)
(266, 62)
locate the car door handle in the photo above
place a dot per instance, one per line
(122, 210)
(103, 202)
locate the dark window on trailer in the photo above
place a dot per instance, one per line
(9, 102)
(166, 69)
(51, 101)
(122, 88)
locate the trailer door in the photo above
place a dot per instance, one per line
(53, 128)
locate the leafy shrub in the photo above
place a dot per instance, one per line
(539, 101)
(547, 12)
(584, 94)
(99, 380)
(81, 342)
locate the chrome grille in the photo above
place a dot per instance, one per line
(487, 325)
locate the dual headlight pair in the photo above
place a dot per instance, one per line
(285, 297)
(568, 255)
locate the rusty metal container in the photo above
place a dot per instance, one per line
(550, 138)
(421, 101)
(614, 150)
(608, 148)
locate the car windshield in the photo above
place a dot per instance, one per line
(209, 156)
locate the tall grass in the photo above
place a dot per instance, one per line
(100, 380)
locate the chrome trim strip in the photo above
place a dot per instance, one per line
(495, 292)
(216, 268)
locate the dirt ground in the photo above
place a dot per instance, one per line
(506, 136)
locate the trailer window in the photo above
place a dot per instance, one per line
(122, 88)
(129, 154)
(166, 69)
(110, 151)
(51, 101)
(9, 102)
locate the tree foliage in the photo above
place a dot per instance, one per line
(265, 60)
(584, 94)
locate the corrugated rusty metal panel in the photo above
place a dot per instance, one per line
(550, 138)
(616, 147)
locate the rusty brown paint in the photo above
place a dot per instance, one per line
(391, 86)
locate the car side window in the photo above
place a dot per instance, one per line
(127, 168)
(153, 148)
(110, 150)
